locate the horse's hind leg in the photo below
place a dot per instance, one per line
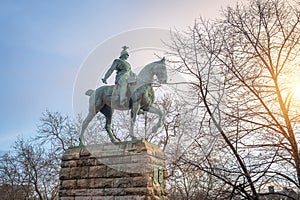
(134, 110)
(108, 112)
(85, 123)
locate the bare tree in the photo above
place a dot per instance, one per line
(29, 172)
(262, 57)
(241, 67)
(34, 164)
(56, 131)
(12, 183)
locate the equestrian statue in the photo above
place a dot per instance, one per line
(130, 92)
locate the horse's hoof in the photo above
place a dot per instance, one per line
(141, 112)
(80, 142)
(154, 129)
(133, 138)
(115, 140)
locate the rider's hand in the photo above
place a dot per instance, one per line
(104, 81)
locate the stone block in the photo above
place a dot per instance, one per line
(102, 183)
(115, 173)
(84, 172)
(137, 168)
(83, 183)
(122, 171)
(76, 192)
(84, 198)
(64, 173)
(141, 181)
(72, 153)
(135, 158)
(137, 191)
(114, 192)
(130, 158)
(84, 152)
(83, 161)
(68, 184)
(130, 197)
(67, 198)
(93, 162)
(96, 192)
(69, 163)
(98, 171)
(122, 182)
(75, 172)
(104, 198)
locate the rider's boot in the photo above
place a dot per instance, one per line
(123, 98)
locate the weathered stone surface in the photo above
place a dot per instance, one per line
(83, 183)
(137, 191)
(83, 198)
(132, 197)
(104, 198)
(98, 171)
(64, 174)
(142, 181)
(113, 172)
(85, 172)
(71, 163)
(71, 154)
(67, 198)
(122, 182)
(84, 152)
(102, 183)
(75, 172)
(68, 184)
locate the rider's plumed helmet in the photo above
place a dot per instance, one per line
(124, 51)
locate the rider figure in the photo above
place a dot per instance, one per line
(123, 74)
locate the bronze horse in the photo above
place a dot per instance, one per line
(141, 97)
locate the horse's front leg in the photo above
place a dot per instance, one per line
(157, 111)
(134, 110)
(108, 112)
(85, 123)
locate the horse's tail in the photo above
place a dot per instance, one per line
(89, 92)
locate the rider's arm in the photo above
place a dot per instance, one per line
(110, 71)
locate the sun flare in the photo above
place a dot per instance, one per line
(295, 90)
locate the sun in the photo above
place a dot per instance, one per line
(295, 90)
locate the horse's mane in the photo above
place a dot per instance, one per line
(152, 63)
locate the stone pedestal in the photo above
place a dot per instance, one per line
(123, 171)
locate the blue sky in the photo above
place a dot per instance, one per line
(43, 44)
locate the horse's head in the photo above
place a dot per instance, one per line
(161, 71)
(157, 68)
